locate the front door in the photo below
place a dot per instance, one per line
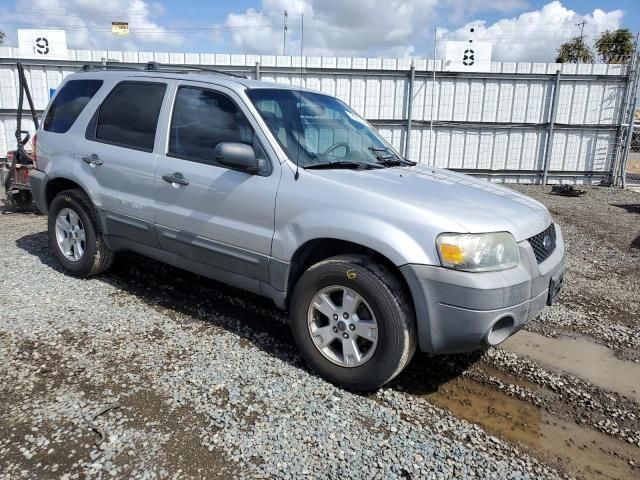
(206, 212)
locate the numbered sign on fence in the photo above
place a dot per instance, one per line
(468, 57)
(46, 44)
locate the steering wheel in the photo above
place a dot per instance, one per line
(336, 146)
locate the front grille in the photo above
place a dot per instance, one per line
(537, 242)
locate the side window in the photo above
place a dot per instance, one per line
(69, 103)
(128, 117)
(201, 119)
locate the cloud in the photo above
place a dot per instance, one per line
(535, 36)
(88, 22)
(404, 28)
(459, 10)
(334, 27)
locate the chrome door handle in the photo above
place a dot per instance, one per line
(93, 160)
(175, 178)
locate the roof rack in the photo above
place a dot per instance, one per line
(156, 67)
(91, 68)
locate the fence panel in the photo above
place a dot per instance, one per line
(492, 124)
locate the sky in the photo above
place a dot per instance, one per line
(520, 30)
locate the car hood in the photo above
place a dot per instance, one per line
(476, 205)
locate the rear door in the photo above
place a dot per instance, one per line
(119, 152)
(219, 217)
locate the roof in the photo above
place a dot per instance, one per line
(229, 80)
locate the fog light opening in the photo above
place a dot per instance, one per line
(500, 331)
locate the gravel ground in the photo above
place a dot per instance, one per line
(601, 298)
(151, 372)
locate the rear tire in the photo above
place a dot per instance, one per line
(75, 237)
(332, 340)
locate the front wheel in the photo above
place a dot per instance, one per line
(353, 321)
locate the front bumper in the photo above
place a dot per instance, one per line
(462, 311)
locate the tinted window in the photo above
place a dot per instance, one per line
(202, 119)
(69, 103)
(129, 115)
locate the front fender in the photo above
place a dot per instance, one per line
(377, 234)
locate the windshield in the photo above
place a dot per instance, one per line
(321, 130)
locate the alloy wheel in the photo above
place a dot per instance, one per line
(342, 326)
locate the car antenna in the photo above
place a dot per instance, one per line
(297, 174)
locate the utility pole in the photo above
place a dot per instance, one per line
(433, 93)
(581, 25)
(284, 33)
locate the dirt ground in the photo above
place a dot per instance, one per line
(152, 372)
(633, 163)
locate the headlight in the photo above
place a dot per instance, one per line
(478, 252)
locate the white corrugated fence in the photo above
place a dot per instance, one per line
(495, 124)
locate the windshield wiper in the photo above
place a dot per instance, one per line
(342, 164)
(389, 159)
(396, 162)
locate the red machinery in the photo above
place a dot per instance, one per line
(15, 172)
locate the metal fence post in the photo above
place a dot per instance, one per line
(625, 155)
(632, 117)
(552, 121)
(407, 141)
(619, 162)
(257, 71)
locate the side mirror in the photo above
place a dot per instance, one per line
(239, 156)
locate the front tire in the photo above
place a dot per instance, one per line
(74, 235)
(353, 322)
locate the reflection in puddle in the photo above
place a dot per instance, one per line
(576, 450)
(580, 357)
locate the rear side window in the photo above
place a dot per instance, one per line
(202, 119)
(129, 115)
(69, 103)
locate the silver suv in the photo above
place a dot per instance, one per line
(290, 194)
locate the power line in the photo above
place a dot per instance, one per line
(94, 14)
(157, 28)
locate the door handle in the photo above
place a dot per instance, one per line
(175, 178)
(93, 160)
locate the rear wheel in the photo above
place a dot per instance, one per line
(74, 235)
(353, 321)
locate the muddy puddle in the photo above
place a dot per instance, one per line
(572, 449)
(580, 357)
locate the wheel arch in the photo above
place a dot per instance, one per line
(56, 185)
(318, 249)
